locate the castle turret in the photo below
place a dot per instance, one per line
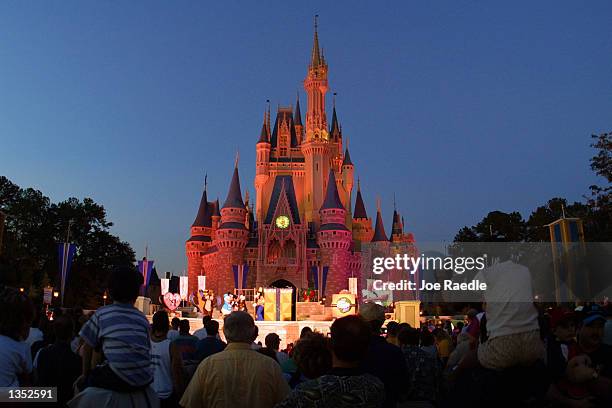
(297, 120)
(232, 235)
(334, 238)
(362, 225)
(216, 215)
(199, 241)
(316, 148)
(348, 170)
(262, 163)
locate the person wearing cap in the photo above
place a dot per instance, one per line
(560, 346)
(383, 360)
(590, 336)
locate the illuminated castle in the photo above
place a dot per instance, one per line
(301, 231)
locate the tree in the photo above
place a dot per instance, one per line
(35, 226)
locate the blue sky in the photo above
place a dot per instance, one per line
(459, 108)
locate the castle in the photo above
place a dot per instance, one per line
(300, 231)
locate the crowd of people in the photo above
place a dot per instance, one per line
(514, 356)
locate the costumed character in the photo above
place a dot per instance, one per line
(234, 303)
(259, 307)
(242, 303)
(227, 305)
(208, 303)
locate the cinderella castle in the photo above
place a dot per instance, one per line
(301, 231)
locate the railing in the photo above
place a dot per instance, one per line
(249, 294)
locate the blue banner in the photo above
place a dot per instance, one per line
(145, 267)
(240, 275)
(324, 279)
(235, 270)
(315, 276)
(66, 252)
(245, 272)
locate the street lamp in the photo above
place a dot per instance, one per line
(104, 296)
(56, 294)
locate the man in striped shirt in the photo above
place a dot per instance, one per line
(121, 333)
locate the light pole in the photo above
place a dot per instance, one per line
(104, 296)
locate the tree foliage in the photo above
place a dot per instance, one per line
(34, 227)
(596, 213)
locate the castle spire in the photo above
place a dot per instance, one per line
(360, 211)
(234, 195)
(264, 136)
(315, 57)
(379, 230)
(297, 118)
(335, 128)
(204, 216)
(332, 199)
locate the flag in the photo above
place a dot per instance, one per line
(240, 275)
(66, 252)
(201, 283)
(183, 286)
(145, 267)
(165, 286)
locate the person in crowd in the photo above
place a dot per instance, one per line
(184, 355)
(473, 327)
(174, 329)
(163, 382)
(443, 345)
(428, 343)
(383, 360)
(201, 333)
(16, 315)
(57, 366)
(392, 332)
(237, 376)
(211, 344)
(512, 320)
(268, 352)
(35, 334)
(312, 357)
(256, 345)
(461, 350)
(272, 342)
(423, 369)
(456, 332)
(120, 333)
(306, 330)
(597, 375)
(346, 384)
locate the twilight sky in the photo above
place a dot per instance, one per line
(459, 108)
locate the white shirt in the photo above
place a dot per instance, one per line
(162, 372)
(15, 359)
(35, 335)
(200, 333)
(509, 299)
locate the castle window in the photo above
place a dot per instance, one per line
(289, 249)
(274, 251)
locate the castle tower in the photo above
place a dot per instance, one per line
(380, 240)
(262, 165)
(316, 147)
(232, 236)
(362, 225)
(200, 240)
(348, 170)
(334, 239)
(216, 215)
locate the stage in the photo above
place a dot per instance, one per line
(288, 331)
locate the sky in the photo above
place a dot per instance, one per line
(457, 108)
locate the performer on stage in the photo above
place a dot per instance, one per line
(241, 303)
(227, 305)
(259, 307)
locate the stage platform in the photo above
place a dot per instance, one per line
(288, 331)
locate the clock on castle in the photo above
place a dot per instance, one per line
(300, 230)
